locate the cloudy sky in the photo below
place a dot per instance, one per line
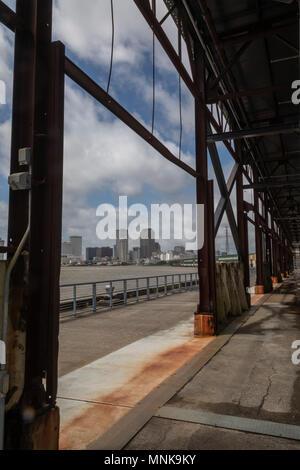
(103, 158)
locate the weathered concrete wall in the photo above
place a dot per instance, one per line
(230, 291)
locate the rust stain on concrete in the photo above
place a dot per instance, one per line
(95, 419)
(153, 374)
(84, 429)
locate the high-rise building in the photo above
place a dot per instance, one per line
(91, 253)
(148, 245)
(66, 249)
(104, 252)
(76, 243)
(122, 246)
(72, 250)
(99, 253)
(1, 244)
(136, 253)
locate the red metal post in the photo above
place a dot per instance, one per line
(242, 228)
(204, 318)
(259, 287)
(38, 124)
(22, 136)
(212, 252)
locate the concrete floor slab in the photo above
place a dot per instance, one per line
(252, 376)
(164, 434)
(89, 338)
(121, 380)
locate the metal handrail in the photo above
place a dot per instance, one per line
(112, 294)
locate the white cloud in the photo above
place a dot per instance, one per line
(85, 28)
(3, 219)
(103, 153)
(6, 59)
(5, 133)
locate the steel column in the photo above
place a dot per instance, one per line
(39, 98)
(242, 227)
(22, 136)
(259, 288)
(204, 318)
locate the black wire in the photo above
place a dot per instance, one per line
(112, 44)
(153, 78)
(180, 99)
(180, 117)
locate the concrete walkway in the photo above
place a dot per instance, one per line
(88, 338)
(252, 377)
(110, 362)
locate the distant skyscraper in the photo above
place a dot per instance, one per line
(136, 253)
(76, 243)
(66, 249)
(148, 245)
(1, 244)
(104, 252)
(72, 250)
(122, 246)
(91, 253)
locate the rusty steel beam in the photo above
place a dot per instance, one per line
(91, 87)
(8, 17)
(21, 136)
(52, 228)
(251, 92)
(229, 66)
(212, 253)
(272, 184)
(258, 244)
(258, 132)
(242, 225)
(204, 321)
(144, 7)
(37, 123)
(254, 31)
(225, 204)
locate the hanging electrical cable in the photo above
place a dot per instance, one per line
(153, 72)
(180, 95)
(112, 44)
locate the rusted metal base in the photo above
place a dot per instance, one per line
(259, 290)
(42, 433)
(203, 325)
(275, 280)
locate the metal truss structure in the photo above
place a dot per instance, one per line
(243, 57)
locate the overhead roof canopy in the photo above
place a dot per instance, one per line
(255, 47)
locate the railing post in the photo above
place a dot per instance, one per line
(180, 289)
(110, 294)
(94, 298)
(191, 281)
(137, 290)
(157, 287)
(125, 292)
(148, 288)
(166, 289)
(173, 284)
(74, 301)
(185, 284)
